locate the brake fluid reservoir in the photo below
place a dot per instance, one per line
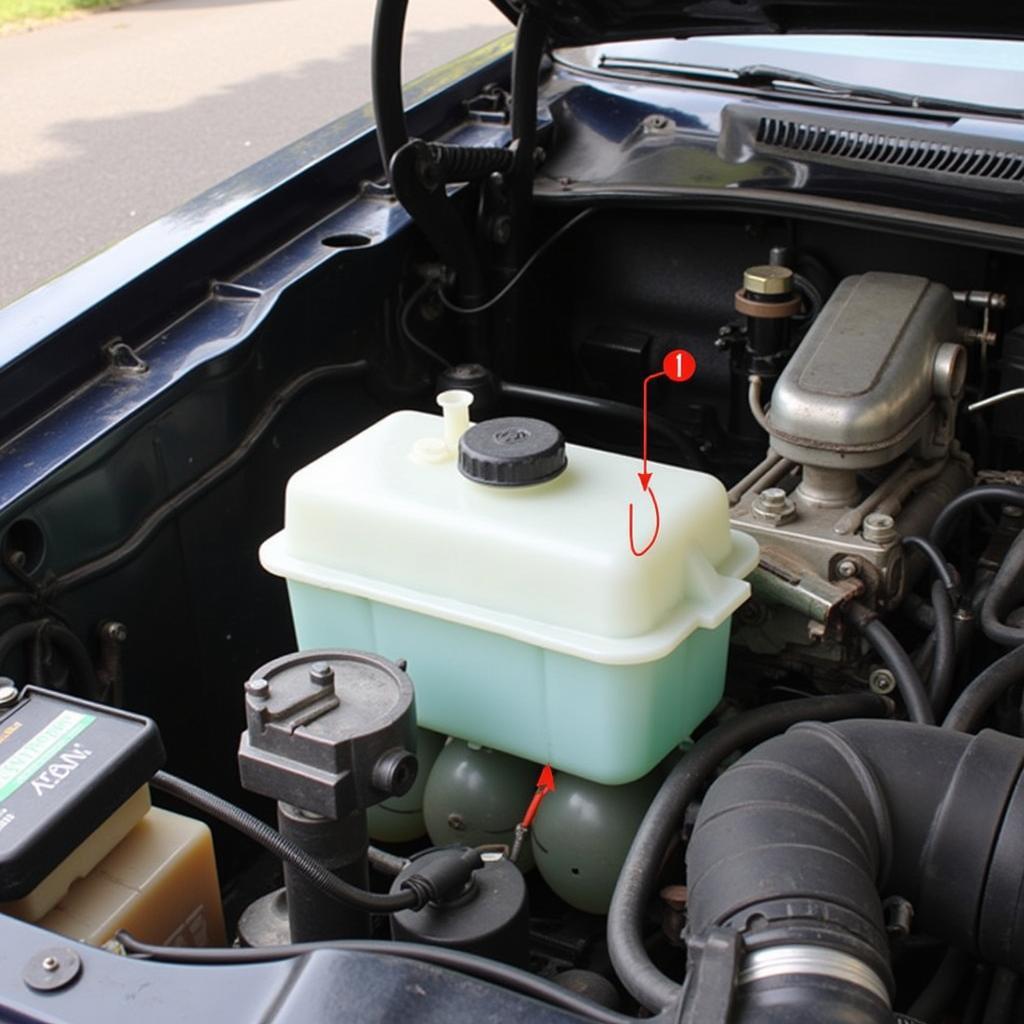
(505, 577)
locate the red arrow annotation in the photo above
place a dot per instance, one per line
(545, 785)
(657, 524)
(645, 477)
(678, 366)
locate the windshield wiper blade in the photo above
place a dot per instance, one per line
(765, 76)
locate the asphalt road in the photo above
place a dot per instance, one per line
(111, 120)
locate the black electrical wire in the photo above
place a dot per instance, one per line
(513, 281)
(639, 875)
(78, 658)
(1002, 595)
(964, 626)
(159, 516)
(939, 564)
(65, 640)
(284, 849)
(987, 494)
(970, 708)
(407, 331)
(943, 663)
(452, 959)
(891, 651)
(812, 296)
(607, 407)
(13, 638)
(15, 599)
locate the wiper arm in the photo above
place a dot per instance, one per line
(765, 76)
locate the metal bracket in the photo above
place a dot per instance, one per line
(123, 358)
(780, 578)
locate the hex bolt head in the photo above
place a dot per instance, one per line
(258, 688)
(847, 568)
(768, 279)
(879, 528)
(322, 674)
(774, 504)
(882, 681)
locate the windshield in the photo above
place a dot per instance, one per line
(973, 70)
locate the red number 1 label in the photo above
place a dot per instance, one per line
(679, 365)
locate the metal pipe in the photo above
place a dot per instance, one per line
(754, 400)
(893, 502)
(746, 483)
(850, 522)
(774, 475)
(995, 399)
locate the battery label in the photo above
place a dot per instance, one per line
(34, 754)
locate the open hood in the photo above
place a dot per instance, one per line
(594, 21)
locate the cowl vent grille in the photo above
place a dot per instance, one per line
(893, 150)
(885, 145)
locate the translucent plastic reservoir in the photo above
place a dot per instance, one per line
(528, 624)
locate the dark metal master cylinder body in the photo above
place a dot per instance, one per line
(329, 734)
(339, 845)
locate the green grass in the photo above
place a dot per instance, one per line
(13, 12)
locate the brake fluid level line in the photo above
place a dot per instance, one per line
(678, 366)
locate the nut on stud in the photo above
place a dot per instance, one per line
(774, 505)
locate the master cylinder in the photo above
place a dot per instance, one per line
(878, 375)
(869, 395)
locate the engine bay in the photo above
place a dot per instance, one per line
(643, 639)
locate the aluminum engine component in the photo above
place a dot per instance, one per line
(878, 375)
(874, 384)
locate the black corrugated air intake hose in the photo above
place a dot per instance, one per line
(797, 843)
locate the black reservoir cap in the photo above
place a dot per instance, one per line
(512, 451)
(65, 766)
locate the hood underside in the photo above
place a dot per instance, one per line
(592, 21)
